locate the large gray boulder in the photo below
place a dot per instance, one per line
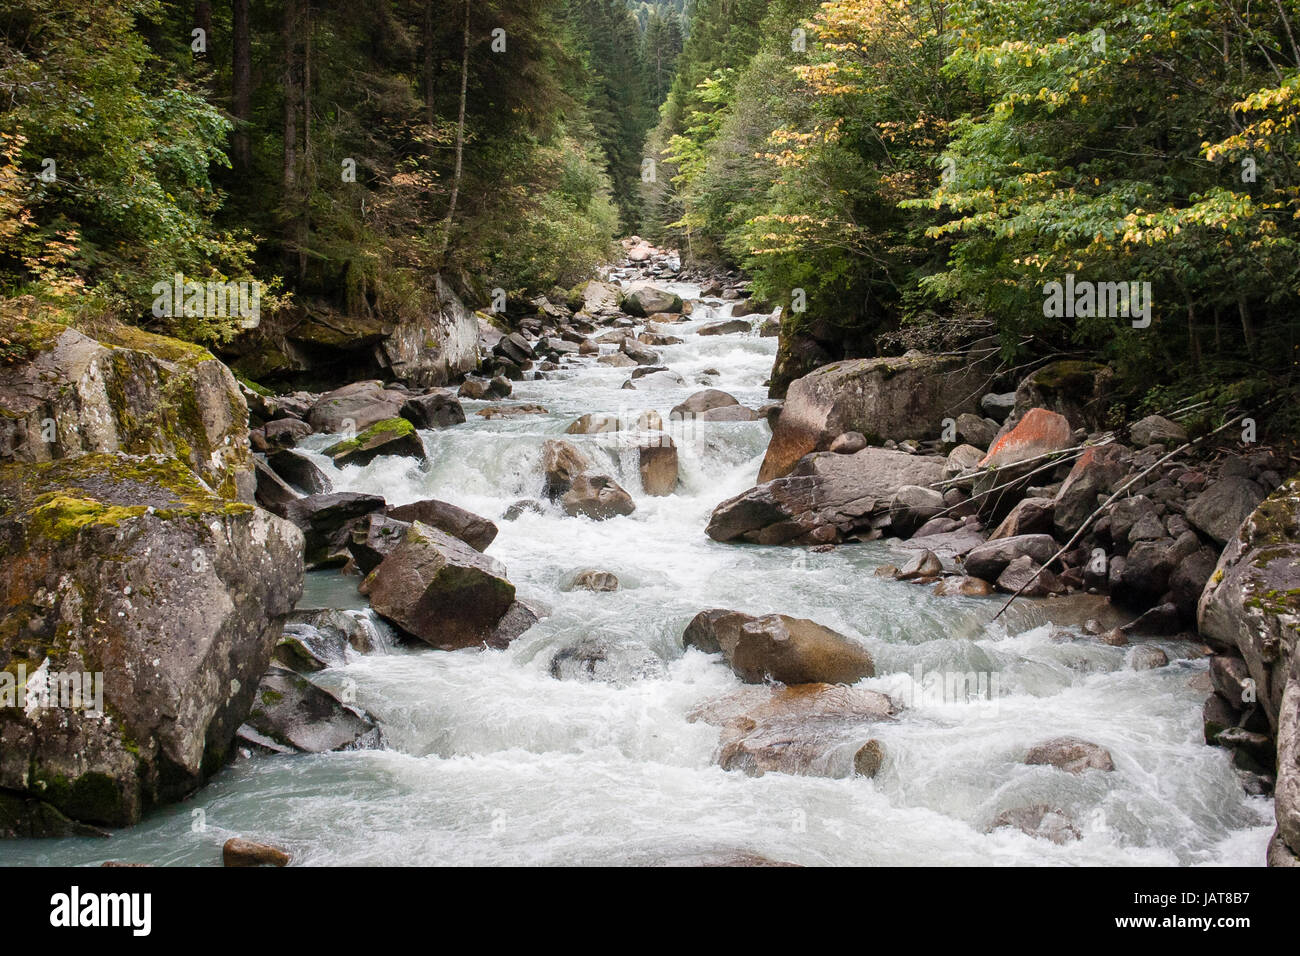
(354, 408)
(643, 300)
(129, 571)
(826, 498)
(1221, 508)
(134, 392)
(885, 398)
(437, 588)
(990, 559)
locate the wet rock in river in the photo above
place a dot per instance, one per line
(437, 588)
(776, 647)
(1071, 755)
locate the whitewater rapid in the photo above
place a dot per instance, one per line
(491, 760)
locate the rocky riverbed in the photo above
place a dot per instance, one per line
(602, 600)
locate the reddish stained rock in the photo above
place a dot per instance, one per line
(1038, 433)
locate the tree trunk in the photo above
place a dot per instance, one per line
(241, 86)
(428, 63)
(460, 134)
(292, 85)
(203, 20)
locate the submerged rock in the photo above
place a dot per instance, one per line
(814, 728)
(130, 569)
(1071, 755)
(598, 659)
(1038, 821)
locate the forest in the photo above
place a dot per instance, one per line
(893, 174)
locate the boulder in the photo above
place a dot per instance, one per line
(597, 497)
(519, 617)
(728, 327)
(562, 462)
(816, 729)
(476, 531)
(593, 580)
(825, 499)
(1157, 430)
(164, 598)
(912, 506)
(272, 492)
(776, 647)
(299, 471)
(1029, 516)
(327, 522)
(639, 353)
(1038, 821)
(922, 565)
(437, 588)
(1038, 432)
(316, 639)
(973, 430)
(643, 299)
(291, 711)
(1080, 391)
(134, 392)
(961, 460)
(989, 560)
(618, 360)
(1287, 791)
(393, 436)
(355, 407)
(885, 398)
(1144, 657)
(1221, 508)
(730, 413)
(597, 298)
(849, 443)
(963, 586)
(1026, 576)
(285, 432)
(609, 662)
(1071, 755)
(701, 402)
(998, 405)
(238, 852)
(435, 409)
(658, 466)
(374, 538)
(1252, 600)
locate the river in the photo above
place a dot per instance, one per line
(491, 760)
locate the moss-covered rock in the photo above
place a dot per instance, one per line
(132, 569)
(131, 391)
(392, 436)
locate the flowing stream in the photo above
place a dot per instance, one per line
(492, 760)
